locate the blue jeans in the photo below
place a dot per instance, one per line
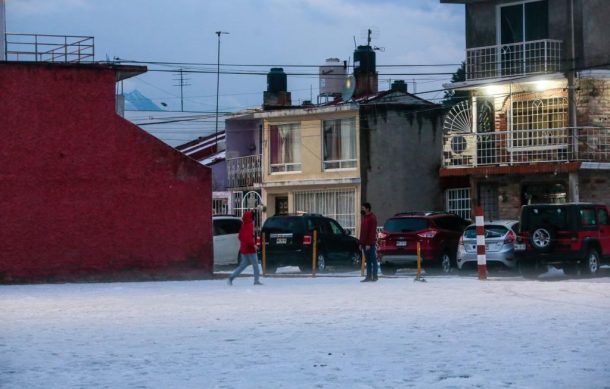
(371, 261)
(245, 261)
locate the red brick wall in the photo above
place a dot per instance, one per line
(87, 195)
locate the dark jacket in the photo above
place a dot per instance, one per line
(368, 230)
(247, 244)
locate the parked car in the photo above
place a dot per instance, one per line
(574, 237)
(437, 232)
(500, 238)
(289, 242)
(226, 242)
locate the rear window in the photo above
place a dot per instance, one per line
(405, 225)
(490, 232)
(285, 224)
(556, 217)
(226, 226)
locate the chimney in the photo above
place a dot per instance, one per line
(276, 95)
(2, 31)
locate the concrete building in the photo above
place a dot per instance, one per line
(536, 126)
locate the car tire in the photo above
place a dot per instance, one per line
(530, 269)
(590, 266)
(321, 264)
(388, 270)
(542, 237)
(444, 264)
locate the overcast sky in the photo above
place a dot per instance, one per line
(262, 32)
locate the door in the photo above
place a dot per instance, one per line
(281, 205)
(604, 230)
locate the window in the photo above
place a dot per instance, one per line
(587, 217)
(602, 217)
(540, 123)
(338, 204)
(226, 226)
(339, 142)
(524, 22)
(285, 143)
(458, 201)
(336, 228)
(405, 224)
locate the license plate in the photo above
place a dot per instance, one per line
(280, 241)
(519, 246)
(401, 243)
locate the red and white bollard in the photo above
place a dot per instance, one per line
(481, 256)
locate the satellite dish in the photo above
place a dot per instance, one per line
(349, 86)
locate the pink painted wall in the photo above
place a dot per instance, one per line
(86, 195)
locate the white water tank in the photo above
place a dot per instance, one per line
(332, 76)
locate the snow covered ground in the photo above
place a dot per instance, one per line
(323, 332)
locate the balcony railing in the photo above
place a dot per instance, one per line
(507, 148)
(49, 48)
(244, 172)
(515, 59)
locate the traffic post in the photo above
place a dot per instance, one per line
(418, 276)
(264, 252)
(314, 253)
(481, 255)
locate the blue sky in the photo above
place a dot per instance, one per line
(263, 32)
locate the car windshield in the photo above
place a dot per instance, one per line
(405, 224)
(285, 224)
(490, 232)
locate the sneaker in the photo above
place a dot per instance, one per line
(230, 281)
(258, 283)
(375, 278)
(367, 279)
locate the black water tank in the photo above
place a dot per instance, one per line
(364, 60)
(399, 86)
(276, 80)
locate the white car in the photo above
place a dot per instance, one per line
(500, 236)
(226, 242)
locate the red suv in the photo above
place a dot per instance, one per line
(437, 232)
(574, 237)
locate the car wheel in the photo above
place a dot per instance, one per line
(591, 264)
(530, 269)
(321, 263)
(542, 237)
(388, 270)
(355, 261)
(445, 263)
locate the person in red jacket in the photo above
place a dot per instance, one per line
(247, 249)
(368, 240)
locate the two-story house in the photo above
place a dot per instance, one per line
(536, 126)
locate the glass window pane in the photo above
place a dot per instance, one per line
(536, 20)
(511, 24)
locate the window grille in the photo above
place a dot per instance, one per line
(458, 201)
(338, 204)
(531, 116)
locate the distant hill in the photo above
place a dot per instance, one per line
(136, 101)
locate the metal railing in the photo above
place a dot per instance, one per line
(244, 172)
(515, 59)
(49, 48)
(507, 148)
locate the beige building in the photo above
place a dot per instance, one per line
(310, 162)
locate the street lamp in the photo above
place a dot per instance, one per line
(217, 88)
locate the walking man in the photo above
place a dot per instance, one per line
(247, 249)
(368, 239)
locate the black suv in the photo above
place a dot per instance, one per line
(289, 242)
(574, 237)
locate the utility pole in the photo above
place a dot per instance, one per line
(217, 88)
(181, 83)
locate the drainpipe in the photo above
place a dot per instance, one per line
(574, 193)
(2, 31)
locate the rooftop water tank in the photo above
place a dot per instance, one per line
(332, 76)
(276, 80)
(364, 60)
